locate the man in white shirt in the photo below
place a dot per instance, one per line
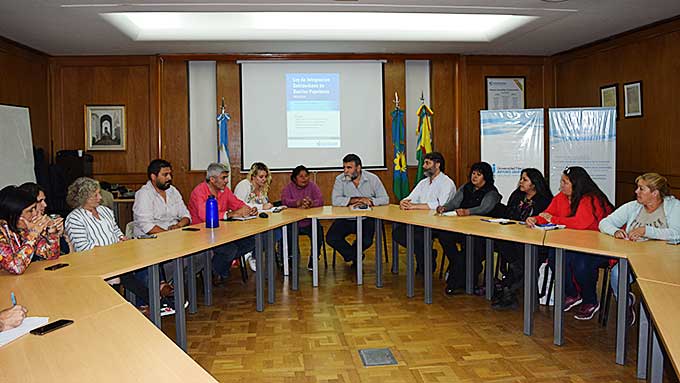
(158, 205)
(429, 193)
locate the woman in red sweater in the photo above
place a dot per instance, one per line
(579, 205)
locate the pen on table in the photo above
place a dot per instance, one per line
(485, 220)
(13, 298)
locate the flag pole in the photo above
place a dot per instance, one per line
(396, 100)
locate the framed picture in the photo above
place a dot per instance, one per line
(609, 96)
(105, 127)
(632, 99)
(505, 93)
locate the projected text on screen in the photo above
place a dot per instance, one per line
(313, 110)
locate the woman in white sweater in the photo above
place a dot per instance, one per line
(655, 214)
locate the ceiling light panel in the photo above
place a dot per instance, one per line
(314, 26)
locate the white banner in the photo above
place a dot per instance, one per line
(584, 137)
(511, 140)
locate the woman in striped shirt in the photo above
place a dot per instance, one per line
(90, 224)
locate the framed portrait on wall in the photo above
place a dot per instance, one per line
(609, 96)
(105, 127)
(632, 94)
(505, 93)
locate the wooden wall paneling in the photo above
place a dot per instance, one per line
(175, 126)
(477, 68)
(25, 83)
(651, 55)
(130, 81)
(445, 88)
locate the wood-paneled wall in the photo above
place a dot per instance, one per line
(651, 55)
(24, 82)
(117, 80)
(174, 113)
(475, 70)
(153, 87)
(154, 90)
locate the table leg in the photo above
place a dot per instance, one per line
(378, 253)
(427, 259)
(259, 274)
(621, 311)
(395, 253)
(643, 343)
(360, 254)
(155, 295)
(488, 269)
(410, 277)
(180, 314)
(284, 250)
(558, 310)
(529, 284)
(656, 368)
(296, 256)
(271, 268)
(207, 278)
(191, 283)
(469, 264)
(315, 253)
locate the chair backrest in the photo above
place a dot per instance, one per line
(130, 229)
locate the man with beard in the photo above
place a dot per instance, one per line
(158, 205)
(432, 191)
(354, 187)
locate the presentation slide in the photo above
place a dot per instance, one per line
(312, 113)
(313, 110)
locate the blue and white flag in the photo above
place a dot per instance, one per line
(223, 141)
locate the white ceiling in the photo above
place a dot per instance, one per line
(74, 27)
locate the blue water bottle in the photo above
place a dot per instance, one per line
(212, 220)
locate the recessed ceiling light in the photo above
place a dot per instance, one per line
(314, 26)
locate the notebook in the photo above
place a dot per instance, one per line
(26, 326)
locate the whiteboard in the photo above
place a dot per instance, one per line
(16, 146)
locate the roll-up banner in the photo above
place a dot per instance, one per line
(511, 140)
(584, 137)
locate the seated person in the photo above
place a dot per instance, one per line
(228, 206)
(25, 236)
(38, 193)
(354, 187)
(91, 224)
(579, 205)
(477, 197)
(655, 214)
(432, 191)
(531, 197)
(159, 207)
(254, 190)
(302, 193)
(12, 317)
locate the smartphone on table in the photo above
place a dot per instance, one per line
(42, 330)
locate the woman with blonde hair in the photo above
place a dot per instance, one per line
(654, 214)
(254, 189)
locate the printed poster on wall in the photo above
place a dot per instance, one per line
(511, 140)
(503, 93)
(584, 137)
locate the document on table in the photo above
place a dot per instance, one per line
(244, 218)
(26, 326)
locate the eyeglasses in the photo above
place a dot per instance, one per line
(567, 170)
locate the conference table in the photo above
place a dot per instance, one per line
(79, 292)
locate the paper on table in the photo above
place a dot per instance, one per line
(451, 213)
(244, 218)
(26, 326)
(358, 208)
